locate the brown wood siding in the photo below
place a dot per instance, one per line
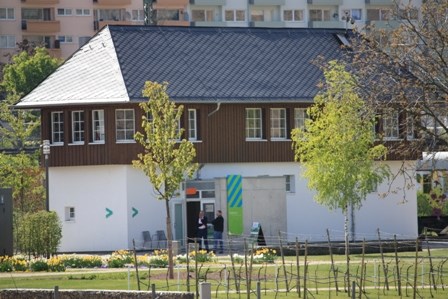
(221, 136)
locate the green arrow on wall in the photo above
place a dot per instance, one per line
(108, 213)
(134, 212)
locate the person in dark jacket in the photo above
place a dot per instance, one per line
(202, 230)
(218, 227)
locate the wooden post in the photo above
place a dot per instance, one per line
(247, 272)
(283, 262)
(332, 261)
(382, 261)
(305, 270)
(431, 268)
(298, 267)
(362, 268)
(237, 286)
(415, 269)
(188, 266)
(397, 265)
(136, 265)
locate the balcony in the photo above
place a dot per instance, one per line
(326, 2)
(208, 2)
(166, 4)
(267, 24)
(267, 2)
(173, 23)
(208, 24)
(326, 24)
(36, 26)
(40, 2)
(380, 2)
(97, 25)
(112, 2)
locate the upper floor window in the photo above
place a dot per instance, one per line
(257, 15)
(278, 123)
(202, 15)
(77, 126)
(235, 15)
(36, 14)
(354, 13)
(300, 116)
(64, 11)
(390, 124)
(192, 124)
(125, 125)
(110, 14)
(57, 127)
(83, 12)
(379, 14)
(253, 123)
(168, 15)
(7, 41)
(320, 15)
(138, 15)
(6, 13)
(65, 38)
(98, 134)
(293, 15)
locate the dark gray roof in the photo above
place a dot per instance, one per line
(200, 65)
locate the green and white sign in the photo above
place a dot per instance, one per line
(235, 204)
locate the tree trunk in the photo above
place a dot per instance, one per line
(169, 241)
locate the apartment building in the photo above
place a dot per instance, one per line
(65, 25)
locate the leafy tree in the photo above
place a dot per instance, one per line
(406, 69)
(337, 146)
(165, 160)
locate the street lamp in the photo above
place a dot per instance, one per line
(46, 152)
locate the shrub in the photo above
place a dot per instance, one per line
(159, 259)
(39, 265)
(5, 264)
(74, 261)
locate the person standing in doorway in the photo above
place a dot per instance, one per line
(202, 230)
(218, 227)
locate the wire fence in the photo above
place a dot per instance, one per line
(393, 267)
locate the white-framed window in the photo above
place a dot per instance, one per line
(390, 124)
(98, 133)
(138, 15)
(77, 126)
(320, 15)
(354, 13)
(57, 127)
(379, 14)
(192, 124)
(278, 123)
(202, 15)
(7, 41)
(82, 12)
(7, 13)
(254, 123)
(300, 116)
(235, 15)
(289, 183)
(293, 15)
(65, 38)
(64, 11)
(70, 214)
(124, 125)
(257, 15)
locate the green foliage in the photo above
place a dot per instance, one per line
(39, 234)
(337, 147)
(159, 259)
(119, 259)
(264, 255)
(165, 160)
(76, 261)
(27, 71)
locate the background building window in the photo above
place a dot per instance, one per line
(320, 15)
(70, 214)
(290, 15)
(235, 15)
(7, 41)
(125, 125)
(192, 125)
(253, 123)
(390, 124)
(7, 13)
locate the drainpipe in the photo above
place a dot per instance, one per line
(218, 105)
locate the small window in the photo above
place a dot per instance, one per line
(98, 134)
(138, 15)
(78, 126)
(278, 123)
(70, 214)
(125, 125)
(355, 14)
(7, 13)
(192, 125)
(7, 41)
(82, 12)
(65, 38)
(202, 15)
(57, 127)
(390, 124)
(289, 183)
(64, 11)
(253, 123)
(235, 15)
(293, 15)
(320, 15)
